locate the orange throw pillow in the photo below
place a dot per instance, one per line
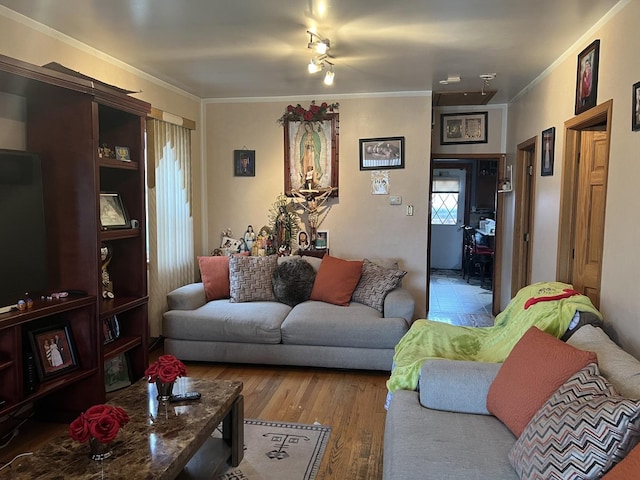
(336, 280)
(215, 276)
(627, 469)
(536, 367)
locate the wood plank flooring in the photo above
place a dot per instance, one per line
(351, 402)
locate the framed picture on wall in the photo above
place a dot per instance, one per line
(587, 77)
(381, 153)
(462, 128)
(635, 117)
(548, 148)
(244, 163)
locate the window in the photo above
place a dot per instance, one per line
(444, 201)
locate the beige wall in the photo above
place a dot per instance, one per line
(40, 45)
(360, 224)
(550, 103)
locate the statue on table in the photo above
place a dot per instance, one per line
(107, 284)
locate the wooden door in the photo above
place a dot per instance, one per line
(590, 213)
(523, 217)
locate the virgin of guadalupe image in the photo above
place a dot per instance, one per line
(311, 152)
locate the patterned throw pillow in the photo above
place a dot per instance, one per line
(580, 432)
(375, 283)
(250, 278)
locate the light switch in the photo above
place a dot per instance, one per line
(395, 200)
(409, 210)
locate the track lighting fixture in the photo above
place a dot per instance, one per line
(320, 46)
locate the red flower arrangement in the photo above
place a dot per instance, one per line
(315, 113)
(101, 422)
(166, 369)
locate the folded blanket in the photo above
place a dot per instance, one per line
(550, 306)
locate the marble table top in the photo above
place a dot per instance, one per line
(157, 442)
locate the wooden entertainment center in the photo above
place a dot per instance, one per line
(68, 117)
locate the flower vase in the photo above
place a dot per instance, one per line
(99, 451)
(165, 389)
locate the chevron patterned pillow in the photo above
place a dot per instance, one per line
(375, 283)
(580, 432)
(250, 278)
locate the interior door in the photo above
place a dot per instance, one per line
(590, 202)
(447, 217)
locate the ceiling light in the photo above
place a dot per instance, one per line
(316, 64)
(320, 47)
(328, 78)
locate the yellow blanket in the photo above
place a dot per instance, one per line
(550, 306)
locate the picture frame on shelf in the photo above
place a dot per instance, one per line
(381, 153)
(117, 373)
(110, 329)
(319, 167)
(244, 163)
(122, 153)
(587, 77)
(548, 151)
(322, 240)
(54, 350)
(113, 215)
(464, 128)
(635, 116)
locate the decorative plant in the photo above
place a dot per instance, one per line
(315, 113)
(166, 369)
(101, 422)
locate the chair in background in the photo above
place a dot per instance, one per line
(477, 260)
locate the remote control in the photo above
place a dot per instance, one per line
(185, 397)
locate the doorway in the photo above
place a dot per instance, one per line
(481, 203)
(523, 215)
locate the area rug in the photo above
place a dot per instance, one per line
(279, 451)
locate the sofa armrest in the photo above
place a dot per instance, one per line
(456, 385)
(189, 297)
(399, 303)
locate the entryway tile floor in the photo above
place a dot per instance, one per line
(453, 300)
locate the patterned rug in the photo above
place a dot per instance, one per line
(279, 451)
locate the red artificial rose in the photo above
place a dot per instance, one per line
(79, 429)
(166, 369)
(308, 116)
(290, 108)
(168, 373)
(120, 415)
(105, 428)
(96, 412)
(299, 110)
(314, 108)
(324, 105)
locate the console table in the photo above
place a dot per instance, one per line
(161, 441)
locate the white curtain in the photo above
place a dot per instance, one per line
(170, 215)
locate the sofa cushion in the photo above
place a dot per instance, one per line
(224, 321)
(618, 366)
(293, 281)
(580, 432)
(456, 385)
(215, 276)
(538, 364)
(250, 278)
(375, 283)
(336, 280)
(627, 468)
(359, 326)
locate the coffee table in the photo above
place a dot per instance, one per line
(161, 441)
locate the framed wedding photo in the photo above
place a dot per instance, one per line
(53, 350)
(381, 153)
(463, 128)
(112, 211)
(635, 117)
(587, 78)
(244, 163)
(548, 148)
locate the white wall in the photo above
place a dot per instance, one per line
(549, 103)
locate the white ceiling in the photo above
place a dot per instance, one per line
(258, 48)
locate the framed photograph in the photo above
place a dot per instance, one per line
(311, 154)
(587, 77)
(244, 163)
(635, 118)
(381, 153)
(110, 329)
(548, 149)
(53, 349)
(303, 240)
(122, 153)
(117, 373)
(380, 182)
(322, 240)
(462, 128)
(112, 211)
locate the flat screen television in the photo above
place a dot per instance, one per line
(23, 240)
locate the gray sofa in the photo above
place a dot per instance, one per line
(312, 333)
(455, 438)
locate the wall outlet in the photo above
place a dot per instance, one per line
(395, 200)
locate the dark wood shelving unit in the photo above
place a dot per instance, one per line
(68, 117)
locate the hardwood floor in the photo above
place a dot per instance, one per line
(351, 402)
